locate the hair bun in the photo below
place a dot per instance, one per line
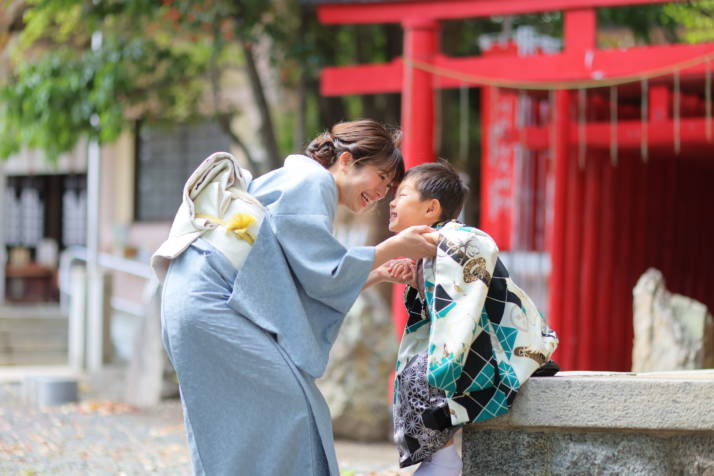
(322, 149)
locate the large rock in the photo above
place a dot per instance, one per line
(356, 382)
(671, 332)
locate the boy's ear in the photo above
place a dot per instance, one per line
(434, 209)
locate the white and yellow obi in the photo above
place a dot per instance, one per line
(217, 208)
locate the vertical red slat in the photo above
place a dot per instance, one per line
(651, 197)
(623, 256)
(683, 285)
(616, 280)
(588, 265)
(703, 249)
(638, 238)
(573, 257)
(558, 318)
(604, 315)
(670, 191)
(707, 291)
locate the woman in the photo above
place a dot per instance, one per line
(248, 343)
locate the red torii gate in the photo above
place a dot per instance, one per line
(578, 311)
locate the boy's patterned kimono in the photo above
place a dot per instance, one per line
(472, 335)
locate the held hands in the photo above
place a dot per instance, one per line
(414, 242)
(399, 271)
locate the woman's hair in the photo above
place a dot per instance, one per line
(369, 142)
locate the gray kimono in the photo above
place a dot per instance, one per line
(247, 344)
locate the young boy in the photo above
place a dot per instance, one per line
(472, 336)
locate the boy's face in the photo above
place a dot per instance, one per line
(408, 209)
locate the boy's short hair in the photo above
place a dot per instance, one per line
(441, 181)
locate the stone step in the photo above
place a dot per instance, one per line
(32, 323)
(33, 340)
(33, 358)
(33, 335)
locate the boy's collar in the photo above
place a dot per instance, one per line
(440, 224)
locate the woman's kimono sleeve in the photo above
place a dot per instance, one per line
(326, 270)
(456, 287)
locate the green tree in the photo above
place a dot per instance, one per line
(157, 60)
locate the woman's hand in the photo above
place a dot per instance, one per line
(414, 242)
(418, 241)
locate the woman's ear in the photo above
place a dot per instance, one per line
(345, 159)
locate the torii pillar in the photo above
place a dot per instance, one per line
(421, 42)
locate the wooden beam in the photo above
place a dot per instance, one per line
(629, 134)
(397, 12)
(600, 64)
(362, 79)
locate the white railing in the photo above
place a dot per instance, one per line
(88, 334)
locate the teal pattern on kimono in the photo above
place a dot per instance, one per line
(497, 406)
(415, 327)
(444, 373)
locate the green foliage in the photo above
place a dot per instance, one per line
(639, 19)
(695, 18)
(154, 62)
(50, 103)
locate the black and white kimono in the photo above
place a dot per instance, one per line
(472, 338)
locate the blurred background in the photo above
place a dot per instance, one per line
(584, 135)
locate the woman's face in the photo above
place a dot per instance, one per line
(361, 187)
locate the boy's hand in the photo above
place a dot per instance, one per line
(401, 271)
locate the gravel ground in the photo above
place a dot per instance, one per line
(104, 437)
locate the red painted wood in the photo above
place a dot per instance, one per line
(638, 243)
(498, 167)
(629, 135)
(385, 77)
(399, 313)
(362, 79)
(588, 264)
(605, 266)
(580, 29)
(573, 321)
(421, 43)
(706, 290)
(690, 254)
(618, 235)
(624, 259)
(397, 12)
(557, 317)
(670, 192)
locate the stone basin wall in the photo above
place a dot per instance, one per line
(600, 423)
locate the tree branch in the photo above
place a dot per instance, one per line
(266, 130)
(224, 119)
